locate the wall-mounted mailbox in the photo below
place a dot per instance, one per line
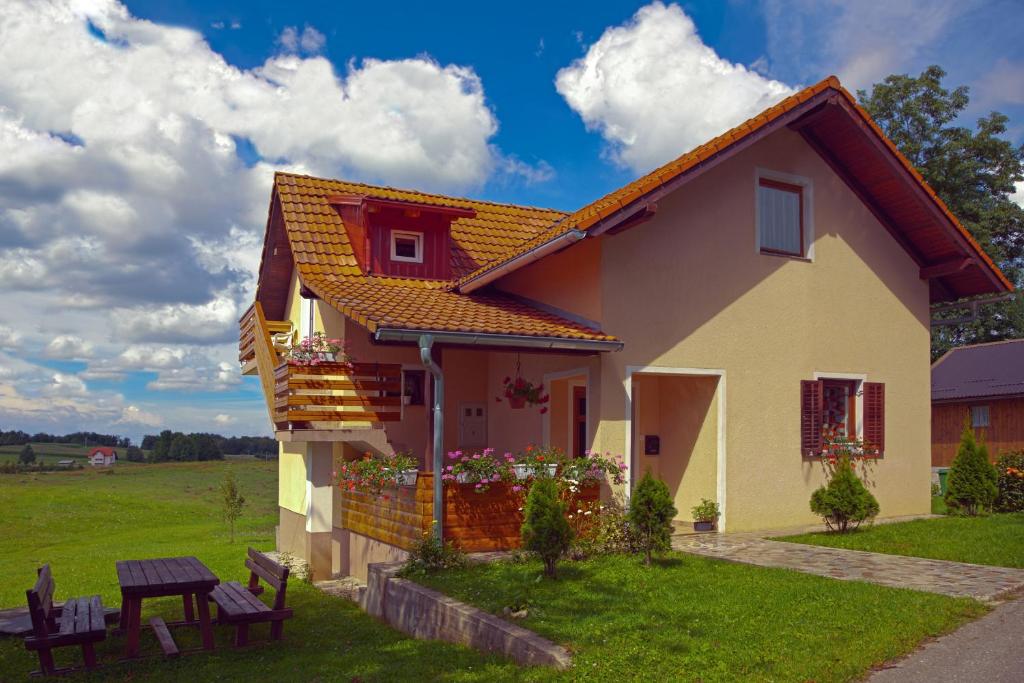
(652, 444)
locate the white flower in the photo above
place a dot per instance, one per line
(587, 512)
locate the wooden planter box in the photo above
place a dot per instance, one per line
(475, 522)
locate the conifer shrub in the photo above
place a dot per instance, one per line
(651, 512)
(545, 529)
(844, 502)
(971, 487)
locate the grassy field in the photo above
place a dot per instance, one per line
(687, 619)
(995, 539)
(690, 618)
(50, 453)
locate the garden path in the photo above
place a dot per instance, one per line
(934, 576)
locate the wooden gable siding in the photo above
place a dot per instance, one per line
(276, 269)
(436, 245)
(1004, 433)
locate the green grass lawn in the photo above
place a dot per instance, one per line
(82, 521)
(48, 453)
(995, 539)
(939, 506)
(692, 618)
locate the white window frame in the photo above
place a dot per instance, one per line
(416, 236)
(808, 211)
(988, 416)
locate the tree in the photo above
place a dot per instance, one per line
(231, 501)
(27, 455)
(651, 513)
(182, 448)
(844, 501)
(134, 454)
(974, 172)
(972, 485)
(545, 529)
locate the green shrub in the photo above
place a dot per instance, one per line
(601, 528)
(844, 502)
(1010, 482)
(971, 485)
(545, 529)
(707, 511)
(27, 455)
(430, 555)
(651, 513)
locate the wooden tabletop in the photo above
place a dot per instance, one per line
(166, 576)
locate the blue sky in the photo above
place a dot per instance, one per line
(137, 142)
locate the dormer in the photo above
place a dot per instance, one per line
(399, 238)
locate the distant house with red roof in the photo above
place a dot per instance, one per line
(981, 384)
(102, 456)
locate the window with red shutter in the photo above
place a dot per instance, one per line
(810, 417)
(874, 416)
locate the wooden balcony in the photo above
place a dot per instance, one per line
(249, 330)
(337, 395)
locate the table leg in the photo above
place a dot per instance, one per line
(122, 617)
(189, 613)
(131, 648)
(203, 602)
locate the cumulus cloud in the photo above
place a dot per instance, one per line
(654, 90)
(133, 415)
(307, 41)
(10, 339)
(177, 368)
(1018, 196)
(224, 419)
(68, 347)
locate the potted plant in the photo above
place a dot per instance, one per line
(591, 469)
(705, 515)
(317, 349)
(481, 468)
(536, 462)
(369, 475)
(404, 467)
(520, 392)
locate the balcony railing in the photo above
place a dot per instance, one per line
(347, 395)
(249, 330)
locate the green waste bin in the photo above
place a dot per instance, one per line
(943, 475)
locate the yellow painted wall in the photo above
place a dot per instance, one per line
(569, 280)
(291, 477)
(688, 289)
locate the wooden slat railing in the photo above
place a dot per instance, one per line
(315, 396)
(247, 332)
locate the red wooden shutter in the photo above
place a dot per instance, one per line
(874, 415)
(810, 417)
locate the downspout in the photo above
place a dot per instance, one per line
(426, 343)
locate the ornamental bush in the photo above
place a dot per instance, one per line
(651, 513)
(971, 486)
(1010, 482)
(844, 502)
(545, 529)
(429, 555)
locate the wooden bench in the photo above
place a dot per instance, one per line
(81, 622)
(238, 604)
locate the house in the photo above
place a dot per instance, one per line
(706, 321)
(102, 456)
(982, 384)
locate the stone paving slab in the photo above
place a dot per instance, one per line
(956, 579)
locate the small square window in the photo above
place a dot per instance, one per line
(979, 416)
(780, 219)
(407, 246)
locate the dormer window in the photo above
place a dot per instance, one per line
(406, 247)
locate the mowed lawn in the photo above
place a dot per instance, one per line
(81, 522)
(995, 539)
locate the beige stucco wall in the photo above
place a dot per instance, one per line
(291, 477)
(569, 280)
(689, 290)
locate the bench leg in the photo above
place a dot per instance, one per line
(242, 635)
(89, 655)
(46, 661)
(187, 602)
(276, 629)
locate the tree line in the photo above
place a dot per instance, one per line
(16, 437)
(168, 445)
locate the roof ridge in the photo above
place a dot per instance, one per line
(436, 195)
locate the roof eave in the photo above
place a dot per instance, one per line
(521, 341)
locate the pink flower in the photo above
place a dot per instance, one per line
(476, 456)
(450, 468)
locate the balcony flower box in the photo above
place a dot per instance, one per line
(406, 477)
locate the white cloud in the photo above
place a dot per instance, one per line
(1018, 196)
(215, 321)
(654, 90)
(220, 377)
(307, 41)
(135, 415)
(68, 347)
(65, 385)
(224, 419)
(10, 339)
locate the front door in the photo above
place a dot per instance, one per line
(579, 421)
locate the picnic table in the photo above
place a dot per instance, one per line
(184, 576)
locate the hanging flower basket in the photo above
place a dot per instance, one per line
(520, 393)
(516, 402)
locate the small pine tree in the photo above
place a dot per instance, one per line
(231, 501)
(27, 455)
(545, 529)
(651, 513)
(844, 501)
(972, 485)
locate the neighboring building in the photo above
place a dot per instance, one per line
(983, 385)
(769, 283)
(65, 463)
(102, 456)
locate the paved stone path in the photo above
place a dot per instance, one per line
(984, 650)
(935, 576)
